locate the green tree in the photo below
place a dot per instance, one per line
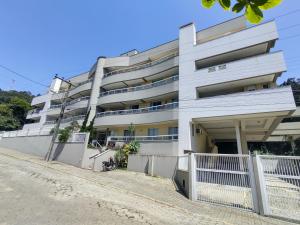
(253, 8)
(7, 121)
(19, 108)
(83, 126)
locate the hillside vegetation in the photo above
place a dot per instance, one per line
(14, 106)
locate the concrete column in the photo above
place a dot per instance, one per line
(96, 88)
(192, 177)
(187, 40)
(244, 143)
(238, 136)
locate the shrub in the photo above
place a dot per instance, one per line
(64, 134)
(122, 153)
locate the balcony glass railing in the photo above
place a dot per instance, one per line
(67, 119)
(168, 106)
(77, 85)
(71, 102)
(171, 137)
(139, 67)
(141, 87)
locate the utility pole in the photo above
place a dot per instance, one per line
(61, 114)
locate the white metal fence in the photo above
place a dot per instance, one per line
(280, 185)
(266, 184)
(224, 179)
(26, 132)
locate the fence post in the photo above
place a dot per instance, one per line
(253, 183)
(262, 195)
(192, 177)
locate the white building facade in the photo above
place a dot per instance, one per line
(217, 84)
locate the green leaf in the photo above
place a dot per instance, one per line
(208, 3)
(225, 4)
(253, 14)
(238, 7)
(270, 4)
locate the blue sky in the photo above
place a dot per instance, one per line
(41, 38)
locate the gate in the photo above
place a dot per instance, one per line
(280, 185)
(224, 179)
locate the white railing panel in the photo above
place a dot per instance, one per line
(223, 179)
(282, 183)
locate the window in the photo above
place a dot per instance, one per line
(127, 133)
(155, 103)
(265, 86)
(172, 130)
(153, 132)
(135, 107)
(251, 88)
(291, 119)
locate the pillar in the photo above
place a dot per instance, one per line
(96, 88)
(238, 137)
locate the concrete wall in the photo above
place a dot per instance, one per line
(86, 162)
(33, 145)
(167, 148)
(70, 153)
(162, 166)
(182, 181)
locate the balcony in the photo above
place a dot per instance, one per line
(77, 103)
(277, 101)
(82, 86)
(66, 120)
(40, 99)
(140, 67)
(154, 114)
(34, 113)
(262, 33)
(255, 68)
(157, 88)
(139, 72)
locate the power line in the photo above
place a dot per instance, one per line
(23, 76)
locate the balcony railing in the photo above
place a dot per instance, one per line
(71, 102)
(141, 110)
(34, 111)
(77, 85)
(171, 137)
(139, 67)
(66, 120)
(141, 87)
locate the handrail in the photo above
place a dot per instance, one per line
(169, 137)
(141, 110)
(146, 65)
(141, 87)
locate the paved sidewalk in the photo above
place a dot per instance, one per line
(33, 191)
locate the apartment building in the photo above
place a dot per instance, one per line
(214, 85)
